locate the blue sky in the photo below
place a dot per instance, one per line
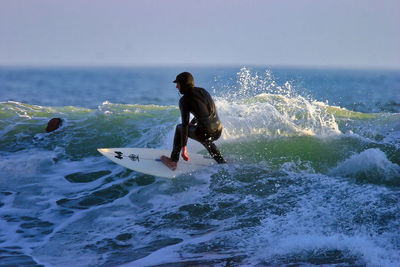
(327, 33)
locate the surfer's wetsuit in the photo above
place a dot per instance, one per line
(205, 126)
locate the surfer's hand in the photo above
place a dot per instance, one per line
(185, 154)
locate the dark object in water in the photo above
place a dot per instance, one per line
(53, 124)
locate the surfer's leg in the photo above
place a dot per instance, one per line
(207, 141)
(214, 151)
(176, 150)
(177, 143)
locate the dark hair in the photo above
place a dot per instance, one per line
(53, 124)
(185, 79)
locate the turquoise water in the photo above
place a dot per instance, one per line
(313, 176)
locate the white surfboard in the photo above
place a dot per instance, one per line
(147, 160)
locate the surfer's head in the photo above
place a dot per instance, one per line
(184, 80)
(53, 124)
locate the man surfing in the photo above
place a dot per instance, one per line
(205, 127)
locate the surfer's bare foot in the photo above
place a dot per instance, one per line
(169, 163)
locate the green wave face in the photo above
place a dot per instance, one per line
(291, 134)
(83, 130)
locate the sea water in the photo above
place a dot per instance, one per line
(313, 173)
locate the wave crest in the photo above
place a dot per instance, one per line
(259, 105)
(371, 165)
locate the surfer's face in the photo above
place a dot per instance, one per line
(178, 85)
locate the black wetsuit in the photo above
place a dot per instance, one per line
(205, 126)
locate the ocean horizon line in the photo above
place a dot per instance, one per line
(200, 65)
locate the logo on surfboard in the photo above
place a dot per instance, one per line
(118, 154)
(133, 157)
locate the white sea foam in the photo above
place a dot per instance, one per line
(327, 217)
(27, 163)
(371, 165)
(259, 106)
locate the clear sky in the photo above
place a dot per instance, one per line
(329, 33)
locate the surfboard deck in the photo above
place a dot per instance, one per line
(147, 160)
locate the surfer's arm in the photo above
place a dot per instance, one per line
(185, 154)
(185, 114)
